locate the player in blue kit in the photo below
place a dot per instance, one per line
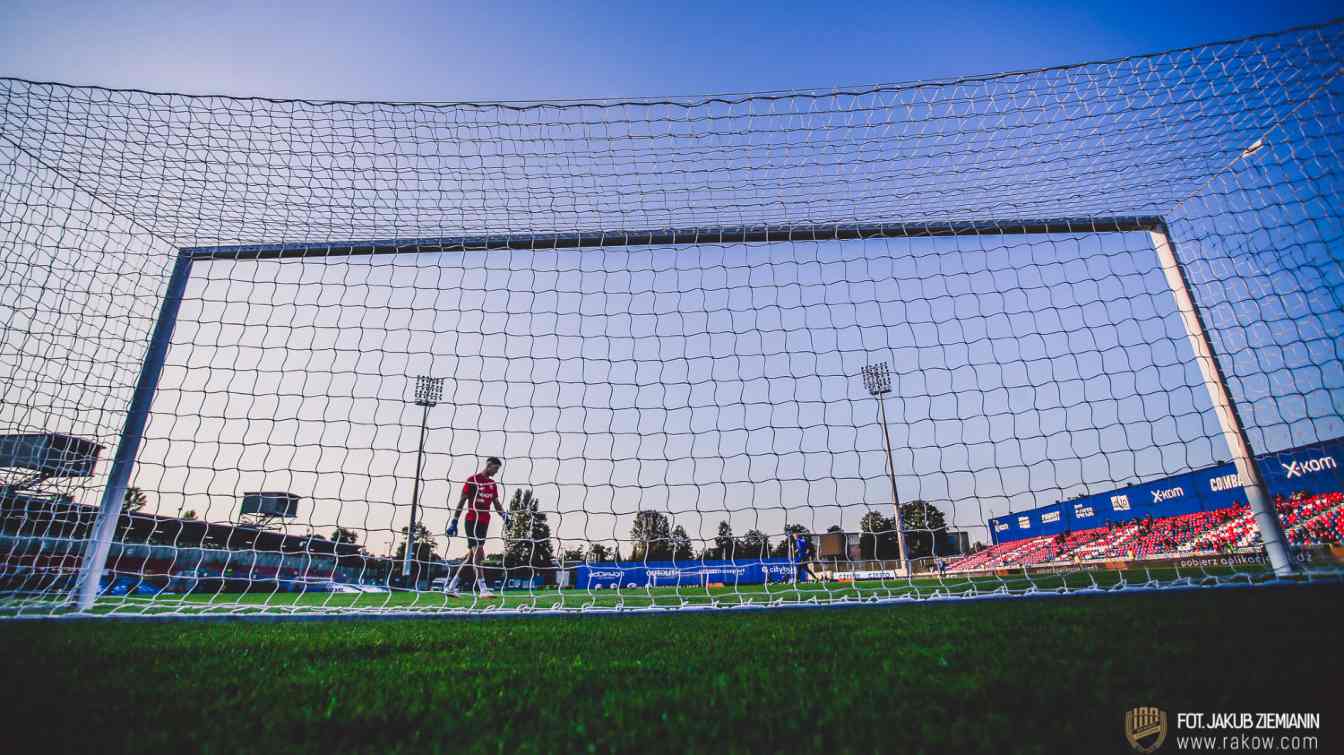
(802, 556)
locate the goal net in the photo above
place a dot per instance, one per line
(1056, 331)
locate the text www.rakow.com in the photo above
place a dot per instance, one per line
(1249, 742)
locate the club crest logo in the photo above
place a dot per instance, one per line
(1146, 728)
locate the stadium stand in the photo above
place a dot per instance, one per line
(1307, 519)
(995, 555)
(1320, 519)
(42, 540)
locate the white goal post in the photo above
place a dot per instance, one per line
(1233, 433)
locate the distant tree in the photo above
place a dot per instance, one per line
(528, 537)
(598, 554)
(572, 555)
(343, 535)
(879, 537)
(651, 535)
(724, 543)
(924, 526)
(681, 544)
(189, 515)
(424, 546)
(754, 544)
(134, 500)
(835, 528)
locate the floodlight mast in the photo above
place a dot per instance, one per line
(877, 379)
(428, 391)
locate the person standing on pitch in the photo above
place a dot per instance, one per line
(802, 555)
(479, 494)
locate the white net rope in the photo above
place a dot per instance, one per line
(672, 415)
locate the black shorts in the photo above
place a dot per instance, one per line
(476, 530)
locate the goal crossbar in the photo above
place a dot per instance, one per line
(749, 234)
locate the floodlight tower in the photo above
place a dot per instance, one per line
(428, 391)
(877, 379)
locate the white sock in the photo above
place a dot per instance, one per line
(453, 584)
(480, 585)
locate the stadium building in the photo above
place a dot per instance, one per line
(43, 539)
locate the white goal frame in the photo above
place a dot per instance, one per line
(132, 433)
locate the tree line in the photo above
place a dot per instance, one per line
(653, 537)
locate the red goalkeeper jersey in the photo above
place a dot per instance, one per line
(481, 492)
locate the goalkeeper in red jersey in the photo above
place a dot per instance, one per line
(479, 494)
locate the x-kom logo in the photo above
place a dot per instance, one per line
(1168, 494)
(1299, 468)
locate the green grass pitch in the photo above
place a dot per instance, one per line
(1053, 675)
(640, 598)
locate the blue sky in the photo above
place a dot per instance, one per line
(446, 51)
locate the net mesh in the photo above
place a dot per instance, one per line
(675, 398)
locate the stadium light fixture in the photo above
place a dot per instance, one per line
(428, 391)
(877, 379)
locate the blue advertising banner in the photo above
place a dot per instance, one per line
(1310, 469)
(628, 574)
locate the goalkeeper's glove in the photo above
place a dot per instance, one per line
(452, 528)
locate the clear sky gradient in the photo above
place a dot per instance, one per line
(453, 51)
